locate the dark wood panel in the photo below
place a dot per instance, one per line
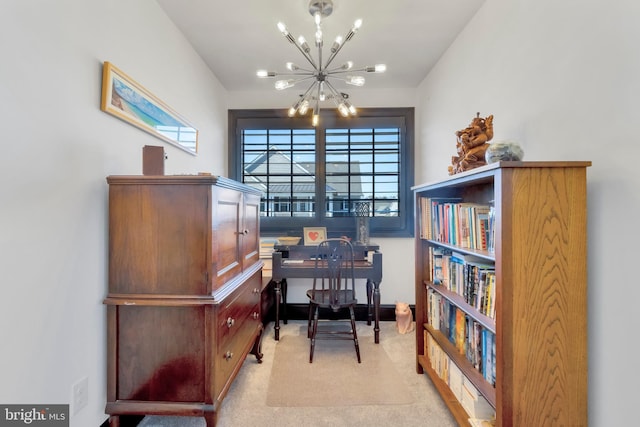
(160, 362)
(226, 238)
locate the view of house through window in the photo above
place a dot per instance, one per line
(281, 163)
(317, 176)
(362, 165)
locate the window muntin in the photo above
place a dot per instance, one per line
(281, 163)
(363, 165)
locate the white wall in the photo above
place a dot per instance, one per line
(563, 79)
(57, 149)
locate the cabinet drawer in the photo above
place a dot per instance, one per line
(239, 307)
(231, 352)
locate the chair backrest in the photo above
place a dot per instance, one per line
(334, 279)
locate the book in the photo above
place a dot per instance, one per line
(266, 246)
(490, 232)
(482, 225)
(474, 403)
(455, 381)
(460, 325)
(432, 217)
(487, 369)
(437, 264)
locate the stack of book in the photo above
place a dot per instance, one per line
(266, 246)
(476, 406)
(447, 220)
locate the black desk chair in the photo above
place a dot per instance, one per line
(333, 288)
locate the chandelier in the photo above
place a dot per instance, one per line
(320, 73)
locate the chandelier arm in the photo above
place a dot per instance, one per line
(333, 73)
(305, 54)
(338, 78)
(339, 70)
(316, 110)
(311, 76)
(334, 53)
(308, 73)
(304, 95)
(319, 67)
(306, 70)
(334, 92)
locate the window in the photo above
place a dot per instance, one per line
(318, 176)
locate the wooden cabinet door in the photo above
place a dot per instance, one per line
(227, 230)
(251, 231)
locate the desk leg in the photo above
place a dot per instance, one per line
(285, 287)
(281, 295)
(376, 309)
(276, 328)
(369, 296)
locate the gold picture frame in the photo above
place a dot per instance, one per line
(125, 99)
(314, 235)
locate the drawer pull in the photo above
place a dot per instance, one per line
(256, 315)
(228, 355)
(256, 290)
(230, 322)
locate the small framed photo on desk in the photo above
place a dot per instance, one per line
(314, 235)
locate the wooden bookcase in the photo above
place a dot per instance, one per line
(540, 259)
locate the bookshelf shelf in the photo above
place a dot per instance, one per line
(486, 321)
(528, 359)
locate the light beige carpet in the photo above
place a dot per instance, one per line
(335, 378)
(245, 405)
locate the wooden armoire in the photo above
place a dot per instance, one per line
(185, 283)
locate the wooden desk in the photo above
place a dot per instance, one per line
(295, 262)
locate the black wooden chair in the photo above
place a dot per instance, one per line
(334, 289)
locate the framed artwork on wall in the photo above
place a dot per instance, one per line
(124, 98)
(314, 235)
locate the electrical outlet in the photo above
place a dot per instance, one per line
(79, 395)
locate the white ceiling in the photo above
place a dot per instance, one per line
(237, 37)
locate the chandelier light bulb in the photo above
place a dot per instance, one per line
(303, 44)
(355, 80)
(378, 68)
(304, 107)
(284, 84)
(354, 29)
(315, 120)
(344, 110)
(292, 111)
(283, 29)
(292, 67)
(336, 44)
